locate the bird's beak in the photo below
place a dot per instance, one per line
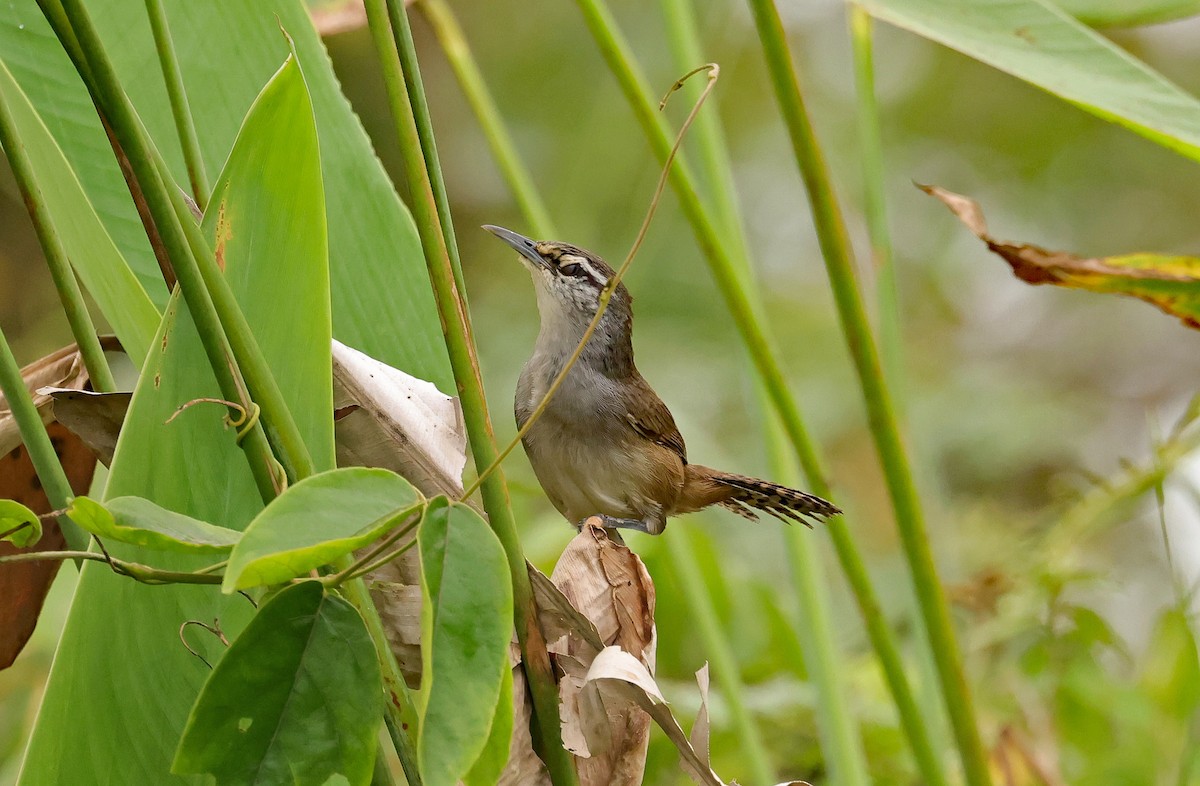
(524, 246)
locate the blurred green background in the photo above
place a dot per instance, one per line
(1016, 399)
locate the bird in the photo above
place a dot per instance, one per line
(606, 445)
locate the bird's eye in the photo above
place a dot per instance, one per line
(571, 269)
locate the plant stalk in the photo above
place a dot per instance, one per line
(840, 736)
(456, 328)
(720, 655)
(835, 247)
(870, 147)
(411, 70)
(180, 109)
(728, 277)
(41, 452)
(458, 53)
(65, 282)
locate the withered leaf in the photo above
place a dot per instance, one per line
(23, 586)
(608, 586)
(1172, 283)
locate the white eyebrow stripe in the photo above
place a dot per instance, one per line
(593, 274)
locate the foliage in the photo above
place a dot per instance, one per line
(315, 243)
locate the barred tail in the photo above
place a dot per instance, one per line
(744, 496)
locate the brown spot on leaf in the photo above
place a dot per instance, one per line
(157, 380)
(1025, 34)
(224, 233)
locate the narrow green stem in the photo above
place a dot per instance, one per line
(728, 277)
(33, 433)
(454, 43)
(65, 282)
(720, 655)
(835, 247)
(356, 567)
(870, 147)
(840, 737)
(1104, 504)
(180, 110)
(411, 70)
(470, 387)
(144, 574)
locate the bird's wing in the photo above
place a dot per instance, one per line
(650, 417)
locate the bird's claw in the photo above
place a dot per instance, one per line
(612, 522)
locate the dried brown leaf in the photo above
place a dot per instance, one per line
(1172, 283)
(23, 586)
(601, 594)
(615, 680)
(95, 418)
(611, 587)
(61, 369)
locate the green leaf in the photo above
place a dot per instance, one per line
(133, 699)
(319, 519)
(489, 766)
(272, 181)
(12, 515)
(95, 257)
(295, 700)
(1171, 674)
(1040, 44)
(382, 302)
(139, 521)
(1128, 13)
(466, 626)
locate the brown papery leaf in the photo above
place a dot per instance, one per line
(23, 586)
(608, 585)
(61, 369)
(615, 679)
(1172, 283)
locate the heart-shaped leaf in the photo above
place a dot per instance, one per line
(296, 699)
(319, 519)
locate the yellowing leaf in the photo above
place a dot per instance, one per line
(1170, 282)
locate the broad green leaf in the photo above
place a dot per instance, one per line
(466, 625)
(121, 672)
(1172, 283)
(272, 181)
(1128, 13)
(139, 521)
(95, 258)
(1042, 45)
(295, 700)
(318, 520)
(382, 302)
(12, 515)
(1171, 675)
(488, 768)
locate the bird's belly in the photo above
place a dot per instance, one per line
(591, 473)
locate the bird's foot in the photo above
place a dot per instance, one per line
(612, 522)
